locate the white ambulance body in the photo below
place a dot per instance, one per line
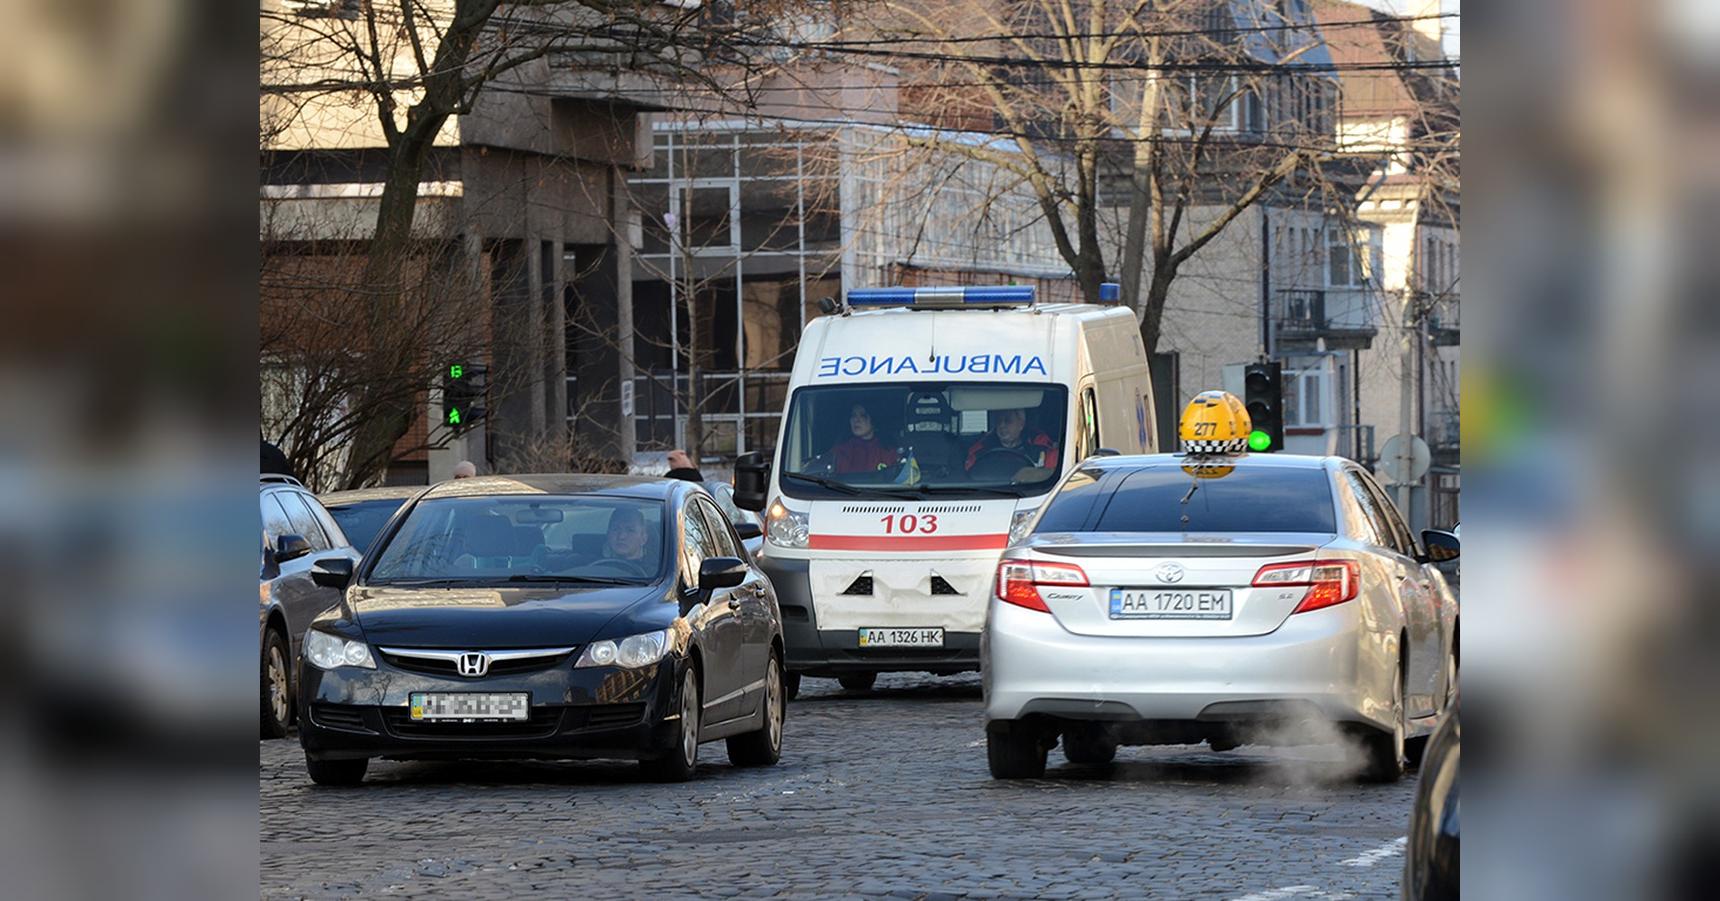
(902, 466)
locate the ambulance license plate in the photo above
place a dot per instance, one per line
(901, 638)
(1159, 603)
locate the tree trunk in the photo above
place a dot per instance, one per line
(1153, 307)
(390, 359)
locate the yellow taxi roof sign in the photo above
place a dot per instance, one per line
(1215, 422)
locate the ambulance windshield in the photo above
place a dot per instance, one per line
(925, 438)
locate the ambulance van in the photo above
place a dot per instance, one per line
(924, 426)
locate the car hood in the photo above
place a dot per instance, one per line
(516, 617)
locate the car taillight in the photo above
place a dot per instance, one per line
(1018, 581)
(1329, 581)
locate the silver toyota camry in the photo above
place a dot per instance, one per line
(1266, 600)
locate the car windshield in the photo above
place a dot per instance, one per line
(1158, 498)
(526, 538)
(924, 439)
(361, 520)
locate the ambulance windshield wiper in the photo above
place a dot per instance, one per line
(941, 490)
(832, 484)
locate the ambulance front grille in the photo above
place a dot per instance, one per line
(874, 508)
(951, 508)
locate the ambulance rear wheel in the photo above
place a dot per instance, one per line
(857, 681)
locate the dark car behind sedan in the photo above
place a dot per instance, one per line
(1433, 854)
(363, 512)
(552, 617)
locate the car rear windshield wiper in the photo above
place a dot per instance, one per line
(544, 579)
(832, 484)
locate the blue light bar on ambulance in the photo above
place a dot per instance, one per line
(987, 295)
(1110, 292)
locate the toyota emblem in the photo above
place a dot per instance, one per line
(474, 664)
(1169, 572)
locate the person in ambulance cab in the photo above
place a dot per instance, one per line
(1009, 438)
(862, 451)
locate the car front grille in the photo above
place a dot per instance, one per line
(431, 667)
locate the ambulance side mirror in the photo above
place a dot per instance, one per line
(752, 481)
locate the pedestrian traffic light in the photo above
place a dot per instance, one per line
(1263, 397)
(463, 387)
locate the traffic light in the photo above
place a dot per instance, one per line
(463, 387)
(1263, 390)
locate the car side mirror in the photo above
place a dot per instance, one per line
(332, 572)
(291, 547)
(748, 530)
(752, 481)
(721, 572)
(1441, 545)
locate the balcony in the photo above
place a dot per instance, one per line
(1342, 316)
(1444, 325)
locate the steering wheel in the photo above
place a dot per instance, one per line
(627, 567)
(998, 453)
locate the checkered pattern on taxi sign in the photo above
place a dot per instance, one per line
(1215, 446)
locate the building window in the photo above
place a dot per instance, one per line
(1307, 392)
(1349, 258)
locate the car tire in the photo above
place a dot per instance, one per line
(1015, 750)
(858, 681)
(764, 747)
(1089, 745)
(678, 762)
(1383, 751)
(336, 772)
(791, 686)
(276, 684)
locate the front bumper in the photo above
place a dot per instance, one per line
(831, 652)
(1317, 665)
(593, 712)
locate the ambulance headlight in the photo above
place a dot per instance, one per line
(784, 527)
(1018, 525)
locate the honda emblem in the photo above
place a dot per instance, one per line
(474, 664)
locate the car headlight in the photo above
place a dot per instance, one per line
(632, 651)
(784, 527)
(1018, 525)
(327, 651)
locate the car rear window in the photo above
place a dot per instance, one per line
(1248, 499)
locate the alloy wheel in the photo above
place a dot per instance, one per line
(278, 701)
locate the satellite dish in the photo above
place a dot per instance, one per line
(1391, 459)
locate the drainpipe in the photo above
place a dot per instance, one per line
(1265, 283)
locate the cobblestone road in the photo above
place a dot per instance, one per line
(883, 793)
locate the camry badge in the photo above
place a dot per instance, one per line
(1169, 572)
(474, 664)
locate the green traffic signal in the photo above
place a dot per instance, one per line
(1258, 440)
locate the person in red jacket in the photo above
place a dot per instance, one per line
(1010, 432)
(862, 451)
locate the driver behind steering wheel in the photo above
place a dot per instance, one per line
(1009, 432)
(627, 535)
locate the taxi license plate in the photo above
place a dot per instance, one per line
(470, 706)
(901, 638)
(1159, 603)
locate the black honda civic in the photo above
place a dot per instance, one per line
(551, 617)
